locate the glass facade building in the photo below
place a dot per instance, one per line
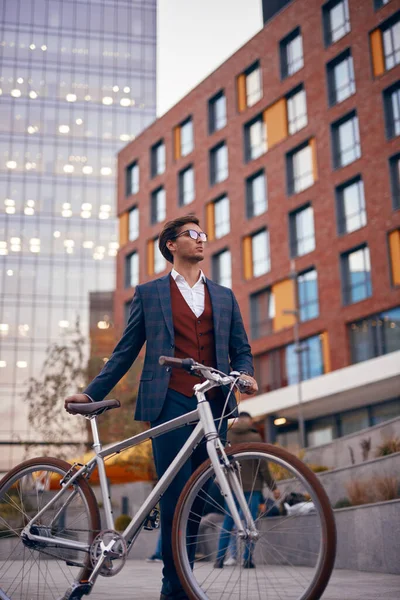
(77, 82)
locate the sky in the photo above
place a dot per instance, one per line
(195, 37)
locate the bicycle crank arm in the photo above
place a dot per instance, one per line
(77, 590)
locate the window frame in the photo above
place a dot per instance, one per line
(181, 191)
(384, 27)
(290, 178)
(337, 152)
(247, 138)
(327, 31)
(260, 231)
(341, 220)
(128, 269)
(215, 266)
(390, 120)
(128, 183)
(187, 121)
(131, 212)
(289, 97)
(293, 234)
(261, 328)
(394, 169)
(213, 154)
(307, 303)
(283, 47)
(222, 198)
(330, 77)
(255, 67)
(155, 159)
(154, 205)
(249, 193)
(212, 121)
(345, 275)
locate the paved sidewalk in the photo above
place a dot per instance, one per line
(142, 581)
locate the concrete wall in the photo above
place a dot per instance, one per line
(338, 454)
(335, 481)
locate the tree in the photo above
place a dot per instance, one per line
(63, 373)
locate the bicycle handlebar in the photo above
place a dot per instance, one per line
(177, 363)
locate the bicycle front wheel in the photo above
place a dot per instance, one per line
(294, 554)
(41, 570)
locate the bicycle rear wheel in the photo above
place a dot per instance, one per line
(294, 555)
(31, 570)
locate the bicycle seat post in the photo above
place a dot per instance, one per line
(105, 492)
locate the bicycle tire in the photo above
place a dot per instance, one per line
(85, 495)
(328, 528)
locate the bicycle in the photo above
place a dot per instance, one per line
(52, 544)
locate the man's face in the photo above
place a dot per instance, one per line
(186, 248)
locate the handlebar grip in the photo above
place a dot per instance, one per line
(177, 363)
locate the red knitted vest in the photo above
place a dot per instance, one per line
(194, 338)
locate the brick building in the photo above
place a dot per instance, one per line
(289, 154)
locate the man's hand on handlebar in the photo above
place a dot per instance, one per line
(253, 388)
(75, 399)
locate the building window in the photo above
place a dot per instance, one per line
(297, 110)
(346, 141)
(336, 20)
(356, 275)
(391, 43)
(394, 164)
(132, 179)
(256, 195)
(380, 3)
(307, 293)
(157, 159)
(255, 136)
(261, 262)
(262, 313)
(159, 261)
(217, 112)
(302, 238)
(391, 98)
(133, 224)
(300, 168)
(222, 268)
(351, 211)
(132, 270)
(312, 361)
(185, 138)
(291, 53)
(253, 85)
(375, 336)
(218, 163)
(158, 205)
(186, 186)
(341, 82)
(221, 217)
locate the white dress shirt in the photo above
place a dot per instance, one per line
(194, 296)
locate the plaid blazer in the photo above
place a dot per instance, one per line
(150, 320)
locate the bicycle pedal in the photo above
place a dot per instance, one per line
(76, 591)
(152, 520)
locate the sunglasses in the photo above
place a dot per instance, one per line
(195, 235)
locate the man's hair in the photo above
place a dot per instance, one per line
(245, 414)
(170, 230)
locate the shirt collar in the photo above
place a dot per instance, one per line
(178, 277)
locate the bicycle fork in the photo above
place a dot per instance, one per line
(226, 476)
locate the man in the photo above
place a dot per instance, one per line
(243, 430)
(182, 314)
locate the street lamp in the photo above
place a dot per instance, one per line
(298, 348)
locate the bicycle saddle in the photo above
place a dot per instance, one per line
(92, 408)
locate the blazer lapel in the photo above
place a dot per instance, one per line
(164, 292)
(215, 302)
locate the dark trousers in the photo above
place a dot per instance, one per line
(165, 448)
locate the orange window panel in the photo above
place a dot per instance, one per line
(378, 60)
(394, 249)
(123, 229)
(150, 257)
(326, 355)
(313, 147)
(177, 142)
(241, 92)
(210, 221)
(284, 295)
(247, 258)
(275, 118)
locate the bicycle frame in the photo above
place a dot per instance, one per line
(224, 472)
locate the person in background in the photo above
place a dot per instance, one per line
(243, 430)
